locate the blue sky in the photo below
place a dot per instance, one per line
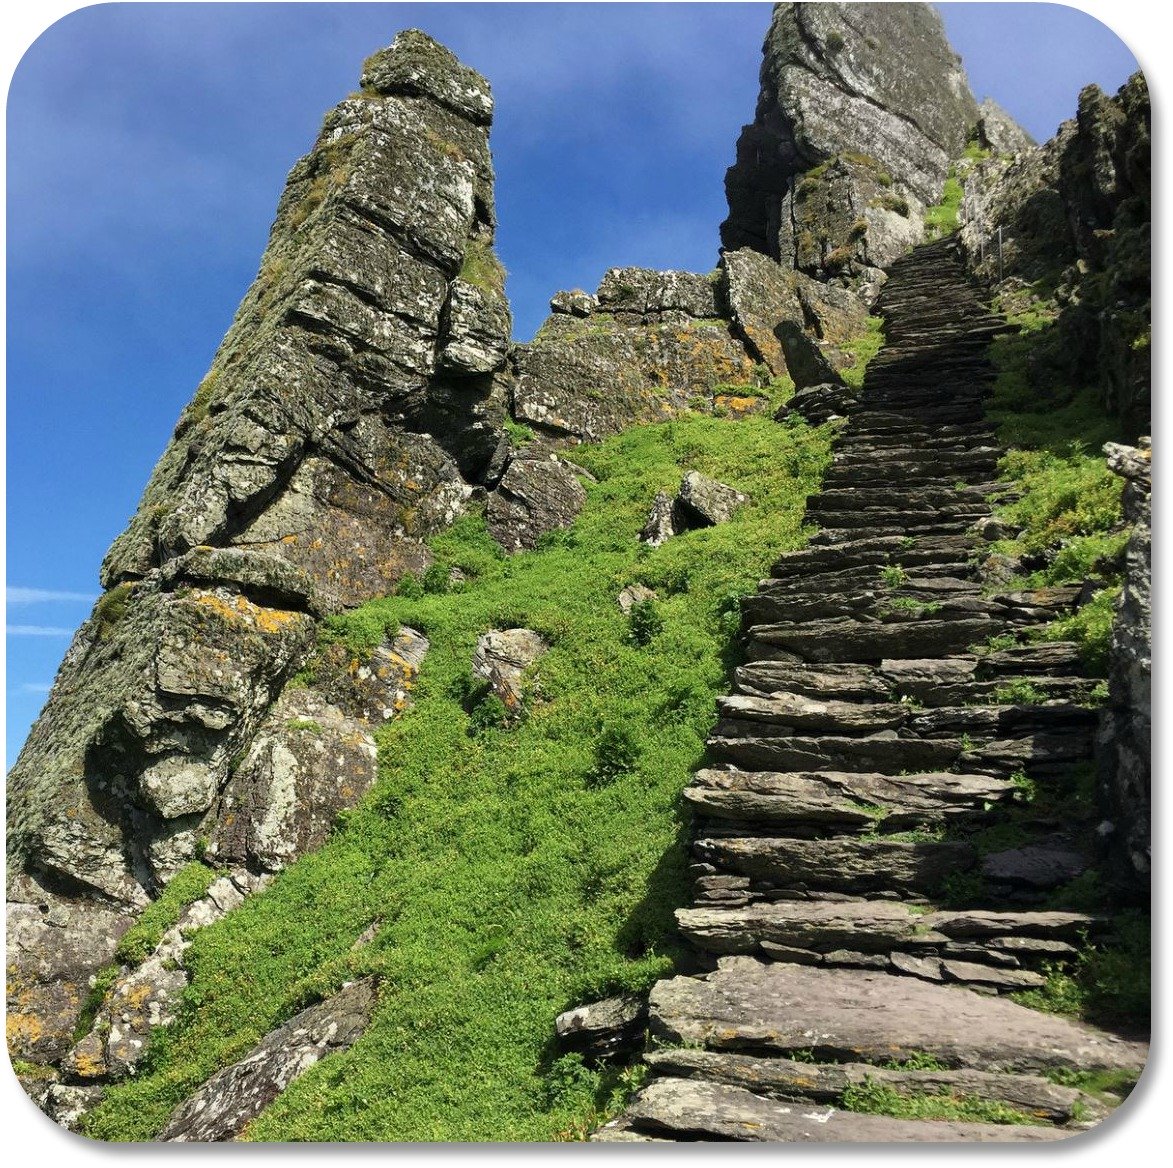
(148, 143)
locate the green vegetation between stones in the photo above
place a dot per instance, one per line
(482, 268)
(863, 348)
(879, 1098)
(185, 888)
(514, 872)
(1068, 512)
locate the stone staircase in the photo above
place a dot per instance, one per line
(862, 769)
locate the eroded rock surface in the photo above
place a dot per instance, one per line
(222, 1108)
(646, 346)
(861, 111)
(347, 414)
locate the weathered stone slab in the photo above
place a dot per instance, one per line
(844, 1013)
(233, 1097)
(692, 1109)
(786, 1079)
(842, 865)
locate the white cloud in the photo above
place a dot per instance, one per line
(36, 687)
(44, 595)
(38, 631)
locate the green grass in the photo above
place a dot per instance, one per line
(1069, 512)
(1109, 983)
(518, 871)
(878, 1098)
(863, 348)
(519, 433)
(482, 268)
(185, 887)
(945, 217)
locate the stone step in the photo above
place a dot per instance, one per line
(879, 551)
(839, 800)
(810, 930)
(780, 1078)
(687, 1109)
(928, 681)
(851, 865)
(864, 1015)
(736, 743)
(783, 715)
(847, 640)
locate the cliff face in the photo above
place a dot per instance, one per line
(351, 407)
(1074, 220)
(863, 107)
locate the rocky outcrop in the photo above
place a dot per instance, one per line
(647, 345)
(1126, 734)
(869, 768)
(353, 404)
(224, 1106)
(1065, 229)
(862, 109)
(321, 433)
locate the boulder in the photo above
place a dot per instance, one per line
(376, 687)
(574, 303)
(539, 492)
(222, 1108)
(632, 595)
(819, 403)
(706, 502)
(502, 657)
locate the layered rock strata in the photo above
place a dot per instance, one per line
(870, 764)
(351, 408)
(862, 109)
(1064, 230)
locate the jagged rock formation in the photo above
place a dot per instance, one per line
(865, 745)
(1074, 219)
(646, 345)
(863, 108)
(356, 389)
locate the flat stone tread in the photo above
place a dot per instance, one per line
(692, 1109)
(825, 1083)
(862, 1015)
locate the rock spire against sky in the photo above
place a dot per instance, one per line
(148, 144)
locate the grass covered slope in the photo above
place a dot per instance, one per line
(511, 872)
(1069, 514)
